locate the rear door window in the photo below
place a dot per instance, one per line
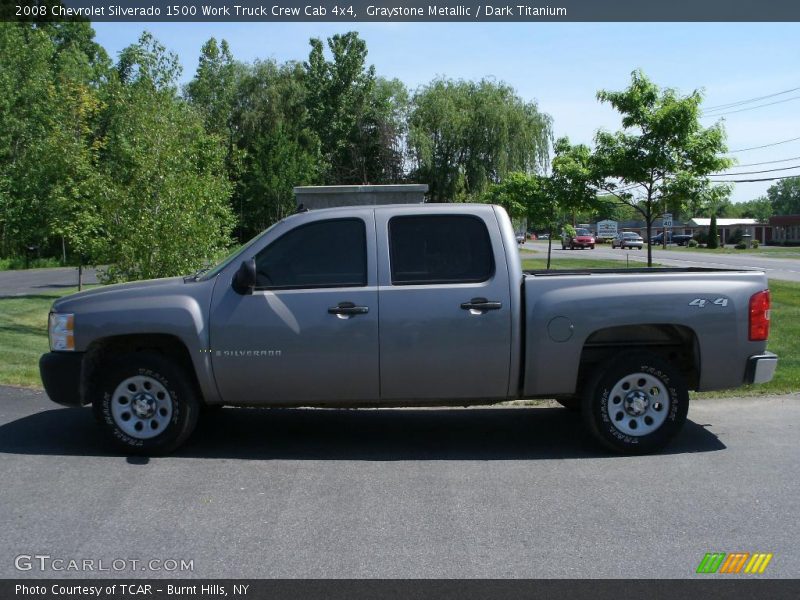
(439, 249)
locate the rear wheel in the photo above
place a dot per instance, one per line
(145, 403)
(635, 403)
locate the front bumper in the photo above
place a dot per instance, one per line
(61, 376)
(761, 368)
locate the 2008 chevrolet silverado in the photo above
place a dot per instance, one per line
(405, 306)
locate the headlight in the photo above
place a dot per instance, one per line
(60, 330)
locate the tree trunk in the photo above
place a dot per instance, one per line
(549, 246)
(649, 228)
(80, 275)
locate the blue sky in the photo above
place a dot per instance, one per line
(560, 66)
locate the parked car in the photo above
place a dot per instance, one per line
(520, 238)
(377, 306)
(583, 239)
(677, 238)
(627, 239)
(544, 236)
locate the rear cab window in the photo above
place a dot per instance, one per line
(439, 249)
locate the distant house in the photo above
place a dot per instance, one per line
(726, 228)
(762, 232)
(785, 229)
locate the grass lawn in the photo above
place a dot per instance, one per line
(23, 337)
(579, 263)
(771, 251)
(784, 340)
(23, 333)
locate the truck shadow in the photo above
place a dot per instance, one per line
(371, 435)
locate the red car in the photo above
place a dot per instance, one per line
(583, 239)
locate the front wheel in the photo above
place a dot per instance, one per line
(145, 403)
(635, 403)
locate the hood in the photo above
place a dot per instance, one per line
(127, 290)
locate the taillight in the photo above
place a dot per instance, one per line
(759, 316)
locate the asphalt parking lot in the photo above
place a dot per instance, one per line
(463, 493)
(776, 267)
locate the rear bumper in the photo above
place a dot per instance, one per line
(61, 376)
(761, 368)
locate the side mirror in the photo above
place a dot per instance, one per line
(244, 280)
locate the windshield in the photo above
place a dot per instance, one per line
(230, 258)
(630, 235)
(582, 232)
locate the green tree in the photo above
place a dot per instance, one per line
(378, 151)
(49, 79)
(464, 136)
(214, 93)
(662, 155)
(713, 234)
(279, 146)
(526, 197)
(785, 196)
(543, 200)
(164, 198)
(573, 179)
(357, 116)
(759, 209)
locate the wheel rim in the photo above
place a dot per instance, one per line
(141, 407)
(638, 404)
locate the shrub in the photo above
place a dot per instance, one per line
(754, 244)
(693, 243)
(713, 235)
(701, 237)
(18, 262)
(741, 246)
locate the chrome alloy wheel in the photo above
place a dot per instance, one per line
(141, 407)
(638, 404)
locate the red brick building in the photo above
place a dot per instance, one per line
(727, 227)
(785, 229)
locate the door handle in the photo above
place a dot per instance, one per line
(481, 304)
(348, 309)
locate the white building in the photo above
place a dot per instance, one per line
(726, 228)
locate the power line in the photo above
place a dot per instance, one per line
(755, 180)
(765, 145)
(754, 172)
(730, 112)
(749, 100)
(769, 162)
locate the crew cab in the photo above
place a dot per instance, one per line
(405, 305)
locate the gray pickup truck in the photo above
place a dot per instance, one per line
(405, 305)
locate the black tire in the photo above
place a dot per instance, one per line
(614, 421)
(158, 383)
